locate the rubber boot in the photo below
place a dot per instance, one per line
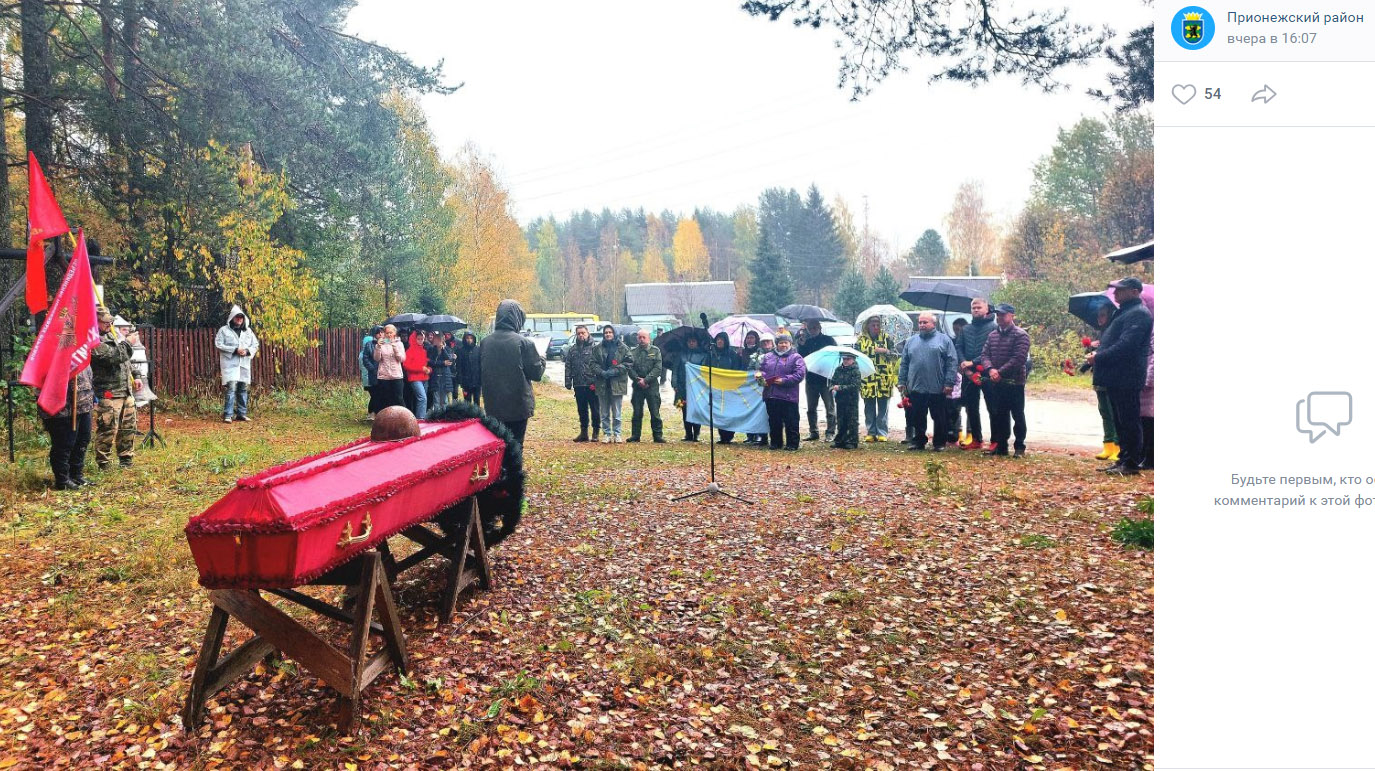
(1109, 452)
(581, 437)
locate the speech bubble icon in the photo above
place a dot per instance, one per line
(1329, 409)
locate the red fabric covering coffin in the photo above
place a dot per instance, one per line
(291, 523)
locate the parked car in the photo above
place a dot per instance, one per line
(843, 333)
(556, 344)
(943, 318)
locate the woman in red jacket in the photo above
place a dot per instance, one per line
(417, 368)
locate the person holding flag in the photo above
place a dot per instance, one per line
(59, 366)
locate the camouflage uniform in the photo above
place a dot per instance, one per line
(847, 407)
(648, 363)
(114, 414)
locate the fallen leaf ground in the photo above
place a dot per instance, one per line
(873, 609)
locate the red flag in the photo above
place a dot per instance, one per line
(64, 344)
(45, 221)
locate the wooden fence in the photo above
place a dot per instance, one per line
(185, 361)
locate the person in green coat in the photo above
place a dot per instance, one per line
(646, 371)
(845, 383)
(612, 361)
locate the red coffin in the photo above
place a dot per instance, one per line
(291, 523)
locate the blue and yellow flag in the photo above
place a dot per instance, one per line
(736, 403)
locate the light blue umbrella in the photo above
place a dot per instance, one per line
(825, 361)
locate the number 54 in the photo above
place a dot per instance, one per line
(1212, 93)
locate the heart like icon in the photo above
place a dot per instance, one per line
(1184, 94)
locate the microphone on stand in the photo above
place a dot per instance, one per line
(703, 316)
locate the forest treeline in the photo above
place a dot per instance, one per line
(253, 151)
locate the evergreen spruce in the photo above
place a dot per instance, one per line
(771, 287)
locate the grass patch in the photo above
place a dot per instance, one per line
(1036, 541)
(518, 686)
(1135, 533)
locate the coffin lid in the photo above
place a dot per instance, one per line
(305, 493)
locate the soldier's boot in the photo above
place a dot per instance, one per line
(657, 426)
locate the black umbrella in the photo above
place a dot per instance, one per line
(676, 339)
(940, 295)
(1087, 305)
(442, 323)
(799, 312)
(1132, 254)
(406, 319)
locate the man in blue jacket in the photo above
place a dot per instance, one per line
(1119, 368)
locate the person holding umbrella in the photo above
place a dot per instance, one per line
(970, 347)
(750, 354)
(1004, 359)
(693, 353)
(724, 357)
(845, 384)
(926, 377)
(877, 389)
(781, 372)
(817, 387)
(1119, 366)
(417, 368)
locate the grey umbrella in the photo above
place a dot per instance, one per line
(800, 312)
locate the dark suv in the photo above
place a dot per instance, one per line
(556, 344)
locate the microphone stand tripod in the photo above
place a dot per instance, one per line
(712, 487)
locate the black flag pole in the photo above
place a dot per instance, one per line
(712, 487)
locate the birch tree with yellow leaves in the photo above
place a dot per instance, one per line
(491, 259)
(690, 258)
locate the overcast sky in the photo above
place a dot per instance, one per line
(671, 104)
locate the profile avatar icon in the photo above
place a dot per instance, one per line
(1192, 28)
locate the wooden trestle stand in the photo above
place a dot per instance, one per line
(368, 579)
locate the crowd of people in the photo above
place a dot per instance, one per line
(939, 377)
(941, 380)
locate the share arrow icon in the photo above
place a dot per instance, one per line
(1264, 95)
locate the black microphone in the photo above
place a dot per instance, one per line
(703, 316)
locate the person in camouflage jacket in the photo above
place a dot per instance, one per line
(646, 370)
(580, 372)
(114, 386)
(845, 384)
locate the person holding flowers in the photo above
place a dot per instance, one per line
(877, 389)
(970, 347)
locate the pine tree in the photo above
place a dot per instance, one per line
(929, 255)
(853, 295)
(771, 287)
(885, 289)
(818, 256)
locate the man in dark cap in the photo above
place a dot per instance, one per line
(1004, 359)
(1119, 368)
